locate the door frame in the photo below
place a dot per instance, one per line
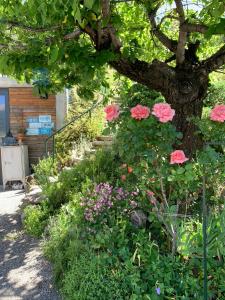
(5, 92)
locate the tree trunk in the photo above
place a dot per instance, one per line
(186, 93)
(191, 141)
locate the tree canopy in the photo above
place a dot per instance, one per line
(70, 42)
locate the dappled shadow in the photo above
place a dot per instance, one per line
(24, 274)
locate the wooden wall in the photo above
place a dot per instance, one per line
(23, 104)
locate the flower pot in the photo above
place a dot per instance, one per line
(20, 138)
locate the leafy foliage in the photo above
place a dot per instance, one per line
(43, 32)
(44, 169)
(82, 130)
(35, 219)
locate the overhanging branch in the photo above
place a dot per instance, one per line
(157, 75)
(214, 62)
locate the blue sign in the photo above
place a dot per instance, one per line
(32, 120)
(45, 131)
(45, 118)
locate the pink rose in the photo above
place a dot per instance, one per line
(177, 157)
(218, 113)
(163, 112)
(112, 112)
(140, 112)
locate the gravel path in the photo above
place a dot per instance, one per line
(24, 273)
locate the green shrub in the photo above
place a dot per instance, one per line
(35, 220)
(70, 183)
(43, 170)
(101, 167)
(91, 277)
(115, 263)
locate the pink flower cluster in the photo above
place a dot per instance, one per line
(162, 111)
(218, 113)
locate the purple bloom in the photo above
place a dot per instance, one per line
(109, 204)
(133, 204)
(158, 291)
(104, 197)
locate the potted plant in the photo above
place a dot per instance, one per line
(21, 135)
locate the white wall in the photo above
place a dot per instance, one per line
(61, 109)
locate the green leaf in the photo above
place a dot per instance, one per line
(77, 15)
(180, 171)
(54, 54)
(88, 3)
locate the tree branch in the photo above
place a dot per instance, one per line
(72, 35)
(168, 43)
(214, 62)
(28, 28)
(188, 27)
(180, 53)
(105, 4)
(106, 12)
(157, 75)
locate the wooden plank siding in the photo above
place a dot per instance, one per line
(23, 104)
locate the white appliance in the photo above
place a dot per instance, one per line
(15, 163)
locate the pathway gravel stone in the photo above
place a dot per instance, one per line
(24, 273)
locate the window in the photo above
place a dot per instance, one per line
(4, 126)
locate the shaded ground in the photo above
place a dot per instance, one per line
(24, 273)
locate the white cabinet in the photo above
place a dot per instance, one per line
(15, 164)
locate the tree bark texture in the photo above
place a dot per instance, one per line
(186, 95)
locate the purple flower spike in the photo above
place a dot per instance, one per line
(158, 291)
